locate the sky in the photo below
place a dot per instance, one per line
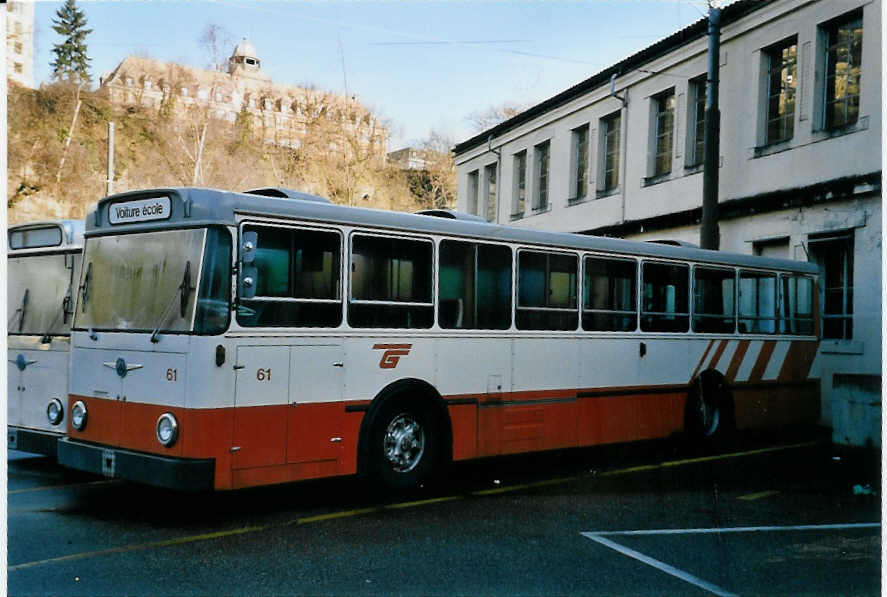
(423, 66)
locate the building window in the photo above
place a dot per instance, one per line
(579, 182)
(664, 132)
(490, 191)
(18, 68)
(782, 78)
(611, 131)
(833, 253)
(18, 47)
(472, 192)
(520, 185)
(843, 70)
(696, 122)
(541, 154)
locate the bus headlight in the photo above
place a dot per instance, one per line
(55, 412)
(78, 415)
(167, 429)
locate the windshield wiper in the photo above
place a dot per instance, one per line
(184, 290)
(66, 305)
(21, 310)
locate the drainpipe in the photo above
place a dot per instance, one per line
(498, 154)
(623, 140)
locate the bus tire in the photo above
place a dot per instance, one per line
(405, 442)
(709, 416)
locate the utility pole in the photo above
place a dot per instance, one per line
(110, 158)
(709, 235)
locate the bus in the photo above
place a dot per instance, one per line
(225, 340)
(43, 266)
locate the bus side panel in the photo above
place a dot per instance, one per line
(634, 416)
(465, 439)
(763, 406)
(206, 433)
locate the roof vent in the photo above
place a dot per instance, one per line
(282, 193)
(450, 215)
(674, 243)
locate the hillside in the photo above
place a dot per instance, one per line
(153, 148)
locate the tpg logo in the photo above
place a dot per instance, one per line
(392, 354)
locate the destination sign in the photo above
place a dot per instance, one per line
(143, 210)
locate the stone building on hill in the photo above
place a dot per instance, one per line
(281, 113)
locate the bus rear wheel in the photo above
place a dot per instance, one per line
(405, 443)
(709, 412)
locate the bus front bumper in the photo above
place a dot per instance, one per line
(32, 440)
(181, 474)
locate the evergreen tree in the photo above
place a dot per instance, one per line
(71, 62)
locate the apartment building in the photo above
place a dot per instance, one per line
(620, 154)
(20, 42)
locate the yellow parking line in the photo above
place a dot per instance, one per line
(757, 496)
(361, 511)
(138, 547)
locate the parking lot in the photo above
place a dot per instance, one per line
(765, 515)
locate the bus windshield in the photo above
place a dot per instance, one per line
(36, 293)
(167, 281)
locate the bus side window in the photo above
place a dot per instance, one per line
(547, 291)
(390, 283)
(297, 281)
(665, 297)
(757, 302)
(796, 313)
(714, 309)
(474, 282)
(610, 295)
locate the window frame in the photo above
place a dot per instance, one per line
(476, 243)
(579, 163)
(547, 252)
(659, 314)
(695, 151)
(340, 288)
(608, 133)
(662, 142)
(519, 184)
(694, 314)
(826, 30)
(583, 310)
(773, 54)
(542, 175)
(740, 316)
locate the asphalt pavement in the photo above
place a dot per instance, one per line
(778, 514)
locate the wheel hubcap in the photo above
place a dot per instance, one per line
(404, 443)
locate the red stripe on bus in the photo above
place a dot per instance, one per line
(736, 361)
(702, 360)
(718, 353)
(798, 361)
(762, 361)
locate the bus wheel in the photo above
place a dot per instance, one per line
(709, 413)
(405, 443)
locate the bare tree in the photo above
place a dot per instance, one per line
(217, 42)
(490, 117)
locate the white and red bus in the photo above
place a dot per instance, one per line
(226, 340)
(43, 267)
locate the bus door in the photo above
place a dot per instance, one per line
(316, 414)
(261, 391)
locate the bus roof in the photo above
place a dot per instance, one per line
(164, 208)
(45, 235)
